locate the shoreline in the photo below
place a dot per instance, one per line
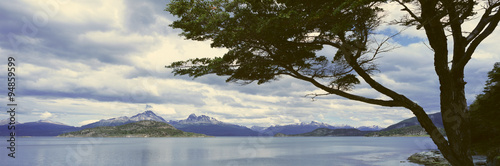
(434, 157)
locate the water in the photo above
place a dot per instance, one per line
(223, 151)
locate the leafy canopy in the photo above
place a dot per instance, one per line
(269, 38)
(485, 112)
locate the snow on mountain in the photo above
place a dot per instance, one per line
(202, 119)
(210, 126)
(370, 128)
(147, 115)
(322, 125)
(258, 128)
(299, 128)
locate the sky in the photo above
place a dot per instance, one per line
(78, 62)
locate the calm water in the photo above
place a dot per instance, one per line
(215, 151)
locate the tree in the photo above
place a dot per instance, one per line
(485, 112)
(270, 38)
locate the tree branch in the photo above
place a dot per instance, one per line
(476, 37)
(485, 20)
(387, 103)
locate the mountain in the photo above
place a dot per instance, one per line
(415, 130)
(322, 132)
(407, 127)
(147, 115)
(203, 119)
(210, 126)
(146, 128)
(370, 128)
(6, 121)
(300, 128)
(410, 127)
(38, 128)
(258, 129)
(436, 119)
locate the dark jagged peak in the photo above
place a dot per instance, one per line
(192, 116)
(200, 119)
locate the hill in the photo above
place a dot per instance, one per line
(147, 128)
(436, 119)
(409, 127)
(415, 130)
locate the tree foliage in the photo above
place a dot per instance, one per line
(485, 113)
(270, 38)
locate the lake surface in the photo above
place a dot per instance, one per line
(219, 151)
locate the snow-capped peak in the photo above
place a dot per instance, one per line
(314, 123)
(199, 119)
(147, 115)
(370, 128)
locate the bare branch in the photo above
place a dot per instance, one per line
(314, 95)
(413, 15)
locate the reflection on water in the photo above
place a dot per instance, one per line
(216, 151)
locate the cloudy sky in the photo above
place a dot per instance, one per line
(82, 61)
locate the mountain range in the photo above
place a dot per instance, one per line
(38, 128)
(435, 117)
(324, 132)
(147, 115)
(298, 128)
(210, 126)
(198, 124)
(410, 127)
(143, 128)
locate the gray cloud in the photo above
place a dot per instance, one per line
(95, 56)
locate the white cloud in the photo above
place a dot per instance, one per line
(46, 115)
(85, 122)
(354, 119)
(99, 60)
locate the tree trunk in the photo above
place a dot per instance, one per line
(453, 102)
(456, 121)
(454, 150)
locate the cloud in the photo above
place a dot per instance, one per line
(99, 60)
(47, 115)
(354, 119)
(85, 122)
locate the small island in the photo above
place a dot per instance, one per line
(145, 128)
